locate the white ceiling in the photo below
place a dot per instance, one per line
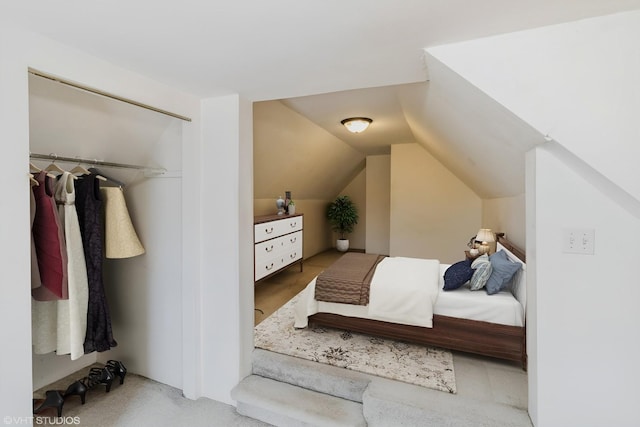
(317, 56)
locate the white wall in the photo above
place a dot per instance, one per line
(378, 204)
(587, 319)
(227, 245)
(18, 51)
(433, 213)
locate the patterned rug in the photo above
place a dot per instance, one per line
(400, 361)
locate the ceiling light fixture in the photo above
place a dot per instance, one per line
(356, 124)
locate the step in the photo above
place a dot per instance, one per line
(314, 376)
(283, 404)
(387, 403)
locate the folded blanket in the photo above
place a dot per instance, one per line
(347, 280)
(404, 290)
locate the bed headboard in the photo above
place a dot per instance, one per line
(519, 283)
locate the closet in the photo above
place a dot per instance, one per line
(143, 292)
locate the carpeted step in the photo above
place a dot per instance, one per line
(284, 404)
(387, 403)
(314, 376)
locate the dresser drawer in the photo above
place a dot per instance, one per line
(277, 228)
(268, 266)
(279, 245)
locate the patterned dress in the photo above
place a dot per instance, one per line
(99, 335)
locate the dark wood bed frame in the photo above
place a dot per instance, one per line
(471, 336)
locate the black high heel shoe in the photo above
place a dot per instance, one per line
(117, 369)
(101, 376)
(53, 399)
(78, 388)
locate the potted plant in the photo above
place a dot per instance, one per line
(291, 207)
(343, 216)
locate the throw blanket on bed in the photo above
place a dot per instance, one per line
(347, 280)
(404, 290)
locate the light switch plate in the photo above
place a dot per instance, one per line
(579, 241)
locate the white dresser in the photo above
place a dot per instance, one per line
(277, 243)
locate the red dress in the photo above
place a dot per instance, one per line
(48, 238)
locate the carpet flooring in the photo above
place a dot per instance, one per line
(415, 364)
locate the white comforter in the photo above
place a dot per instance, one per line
(403, 290)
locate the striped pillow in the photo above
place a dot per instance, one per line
(481, 274)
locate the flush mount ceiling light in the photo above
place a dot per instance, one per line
(356, 124)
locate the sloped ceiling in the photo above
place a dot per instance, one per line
(292, 153)
(286, 50)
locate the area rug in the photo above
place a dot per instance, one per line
(411, 363)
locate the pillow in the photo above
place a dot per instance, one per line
(503, 271)
(479, 260)
(480, 275)
(457, 275)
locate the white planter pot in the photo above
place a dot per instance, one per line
(342, 245)
(292, 209)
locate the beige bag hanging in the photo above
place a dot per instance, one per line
(121, 240)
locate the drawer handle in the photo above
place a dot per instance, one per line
(269, 267)
(269, 249)
(268, 230)
(293, 255)
(293, 240)
(293, 224)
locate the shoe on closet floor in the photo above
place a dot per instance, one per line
(118, 369)
(53, 399)
(78, 388)
(102, 376)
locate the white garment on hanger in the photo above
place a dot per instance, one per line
(72, 313)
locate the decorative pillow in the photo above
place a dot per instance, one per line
(479, 278)
(480, 275)
(503, 271)
(479, 260)
(457, 275)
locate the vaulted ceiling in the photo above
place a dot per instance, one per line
(328, 60)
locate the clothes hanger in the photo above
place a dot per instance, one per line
(101, 176)
(34, 169)
(53, 167)
(80, 170)
(33, 181)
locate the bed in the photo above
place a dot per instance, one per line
(463, 320)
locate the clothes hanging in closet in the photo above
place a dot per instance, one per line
(72, 312)
(43, 313)
(99, 336)
(49, 243)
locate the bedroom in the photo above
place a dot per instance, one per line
(317, 158)
(575, 184)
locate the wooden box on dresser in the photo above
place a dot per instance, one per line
(277, 243)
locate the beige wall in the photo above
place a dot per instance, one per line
(356, 190)
(292, 153)
(378, 193)
(317, 233)
(507, 215)
(433, 214)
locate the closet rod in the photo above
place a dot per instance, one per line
(94, 162)
(107, 94)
